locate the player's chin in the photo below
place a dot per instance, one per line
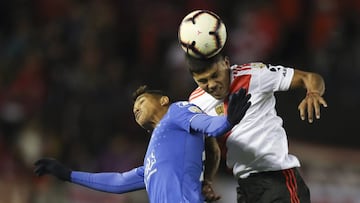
(140, 122)
(217, 95)
(144, 125)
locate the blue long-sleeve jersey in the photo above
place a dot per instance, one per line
(173, 161)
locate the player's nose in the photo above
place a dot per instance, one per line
(211, 85)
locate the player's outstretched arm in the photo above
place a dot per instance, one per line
(111, 182)
(315, 88)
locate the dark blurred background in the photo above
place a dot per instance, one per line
(68, 68)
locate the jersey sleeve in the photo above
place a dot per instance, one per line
(111, 182)
(210, 125)
(275, 78)
(182, 112)
(192, 119)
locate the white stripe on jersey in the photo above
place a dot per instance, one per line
(259, 142)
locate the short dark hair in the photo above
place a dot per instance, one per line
(201, 65)
(145, 89)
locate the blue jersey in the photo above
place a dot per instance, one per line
(173, 161)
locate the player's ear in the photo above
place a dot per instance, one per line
(164, 100)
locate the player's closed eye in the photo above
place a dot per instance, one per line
(215, 75)
(202, 81)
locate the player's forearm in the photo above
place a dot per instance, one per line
(110, 182)
(315, 84)
(312, 82)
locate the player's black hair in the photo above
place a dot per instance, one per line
(200, 65)
(145, 89)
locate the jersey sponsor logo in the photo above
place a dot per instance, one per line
(277, 69)
(195, 109)
(273, 68)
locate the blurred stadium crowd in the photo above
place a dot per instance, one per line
(68, 68)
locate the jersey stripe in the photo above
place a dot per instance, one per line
(196, 93)
(242, 81)
(246, 66)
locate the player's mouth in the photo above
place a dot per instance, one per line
(216, 93)
(137, 115)
(217, 96)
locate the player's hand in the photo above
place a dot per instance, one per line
(53, 167)
(238, 105)
(208, 192)
(310, 104)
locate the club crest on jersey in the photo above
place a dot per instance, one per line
(195, 109)
(219, 109)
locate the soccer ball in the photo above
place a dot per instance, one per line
(202, 34)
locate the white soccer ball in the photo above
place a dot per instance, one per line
(202, 34)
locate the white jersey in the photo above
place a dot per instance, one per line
(259, 142)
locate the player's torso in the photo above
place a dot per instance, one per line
(173, 161)
(252, 143)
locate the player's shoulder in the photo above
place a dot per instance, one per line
(180, 104)
(248, 66)
(258, 68)
(186, 106)
(198, 92)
